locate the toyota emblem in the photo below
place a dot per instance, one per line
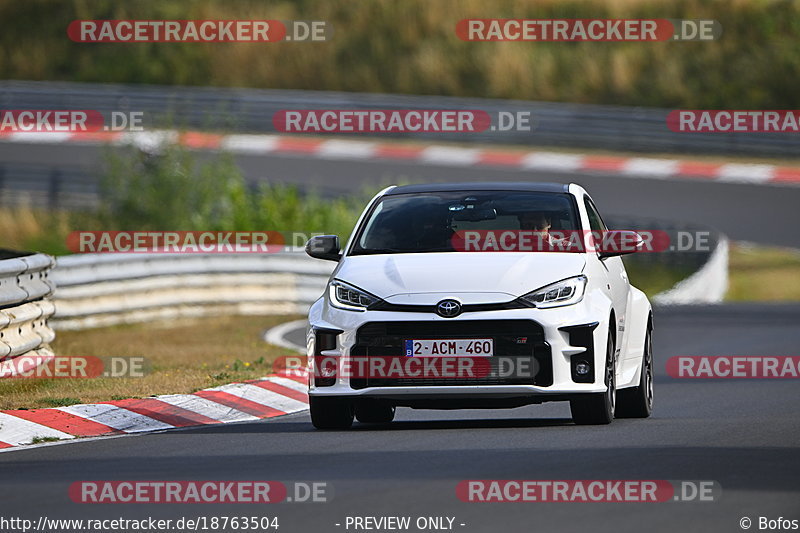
(448, 308)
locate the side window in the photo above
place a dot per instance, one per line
(595, 222)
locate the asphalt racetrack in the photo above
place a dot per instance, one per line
(765, 214)
(742, 434)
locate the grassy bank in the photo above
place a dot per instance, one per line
(411, 47)
(184, 357)
(763, 274)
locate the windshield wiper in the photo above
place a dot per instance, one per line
(370, 251)
(376, 251)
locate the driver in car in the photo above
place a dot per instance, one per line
(540, 224)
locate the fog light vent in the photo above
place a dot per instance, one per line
(324, 371)
(581, 335)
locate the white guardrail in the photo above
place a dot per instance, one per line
(707, 285)
(25, 306)
(105, 289)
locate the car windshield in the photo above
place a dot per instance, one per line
(428, 222)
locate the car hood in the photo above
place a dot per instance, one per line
(426, 278)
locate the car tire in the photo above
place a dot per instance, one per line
(374, 411)
(331, 413)
(637, 402)
(598, 408)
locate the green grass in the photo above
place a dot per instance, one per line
(183, 357)
(763, 274)
(39, 440)
(655, 278)
(58, 401)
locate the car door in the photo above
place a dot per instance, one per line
(616, 275)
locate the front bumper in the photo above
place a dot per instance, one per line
(550, 332)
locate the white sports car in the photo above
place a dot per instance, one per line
(439, 301)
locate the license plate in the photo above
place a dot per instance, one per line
(449, 347)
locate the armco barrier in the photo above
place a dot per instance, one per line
(251, 110)
(105, 289)
(25, 306)
(706, 286)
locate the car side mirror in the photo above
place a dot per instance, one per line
(324, 247)
(618, 242)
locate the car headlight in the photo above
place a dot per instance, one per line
(564, 292)
(345, 296)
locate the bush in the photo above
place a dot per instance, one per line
(175, 191)
(172, 190)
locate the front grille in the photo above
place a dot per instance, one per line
(382, 305)
(388, 338)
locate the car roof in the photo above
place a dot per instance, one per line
(480, 186)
